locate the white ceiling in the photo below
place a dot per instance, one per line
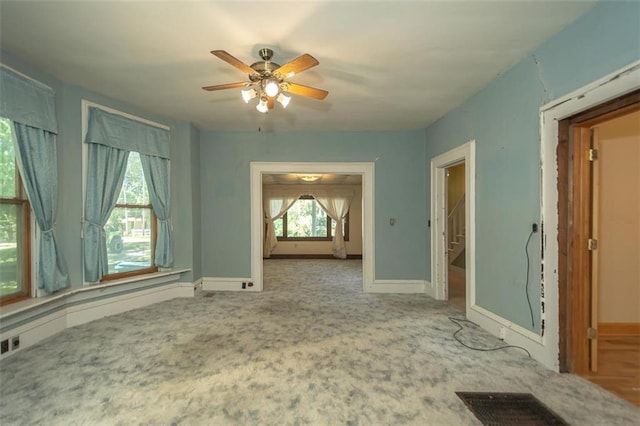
(387, 65)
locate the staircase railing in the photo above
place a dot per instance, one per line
(456, 228)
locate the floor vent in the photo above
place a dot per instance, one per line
(498, 409)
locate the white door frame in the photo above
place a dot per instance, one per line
(465, 153)
(257, 169)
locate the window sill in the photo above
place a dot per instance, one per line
(13, 309)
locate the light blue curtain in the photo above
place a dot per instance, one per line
(121, 132)
(37, 160)
(156, 174)
(106, 167)
(26, 101)
(31, 108)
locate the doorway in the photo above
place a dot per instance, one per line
(462, 231)
(303, 228)
(364, 170)
(456, 241)
(599, 241)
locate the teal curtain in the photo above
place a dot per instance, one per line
(124, 133)
(26, 101)
(156, 174)
(37, 160)
(106, 167)
(110, 138)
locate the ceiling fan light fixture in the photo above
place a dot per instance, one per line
(271, 87)
(283, 99)
(262, 105)
(248, 94)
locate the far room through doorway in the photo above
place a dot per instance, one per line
(313, 228)
(359, 175)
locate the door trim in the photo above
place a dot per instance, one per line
(463, 154)
(554, 255)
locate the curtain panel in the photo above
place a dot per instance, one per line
(124, 133)
(336, 204)
(27, 102)
(106, 167)
(30, 106)
(156, 174)
(37, 161)
(275, 205)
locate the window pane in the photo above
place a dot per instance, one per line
(7, 161)
(277, 227)
(306, 219)
(134, 187)
(129, 239)
(12, 241)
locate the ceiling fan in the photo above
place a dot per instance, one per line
(268, 80)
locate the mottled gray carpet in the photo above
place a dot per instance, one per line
(311, 349)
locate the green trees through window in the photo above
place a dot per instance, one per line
(14, 223)
(131, 228)
(306, 220)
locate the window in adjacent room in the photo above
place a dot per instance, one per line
(15, 279)
(307, 221)
(131, 228)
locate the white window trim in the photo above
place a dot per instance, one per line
(85, 105)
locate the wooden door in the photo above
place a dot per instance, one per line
(575, 229)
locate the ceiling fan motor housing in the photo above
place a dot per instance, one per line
(264, 68)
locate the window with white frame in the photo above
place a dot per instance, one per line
(131, 228)
(127, 200)
(306, 220)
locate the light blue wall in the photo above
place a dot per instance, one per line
(503, 118)
(69, 216)
(196, 197)
(400, 251)
(185, 142)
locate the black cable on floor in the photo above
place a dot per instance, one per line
(526, 285)
(457, 322)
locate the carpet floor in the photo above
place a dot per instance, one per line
(311, 349)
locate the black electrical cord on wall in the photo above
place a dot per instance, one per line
(526, 285)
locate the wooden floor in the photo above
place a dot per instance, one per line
(619, 366)
(457, 287)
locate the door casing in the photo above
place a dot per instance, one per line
(465, 153)
(575, 210)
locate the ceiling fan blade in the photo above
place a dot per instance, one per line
(226, 86)
(296, 66)
(270, 103)
(227, 57)
(310, 92)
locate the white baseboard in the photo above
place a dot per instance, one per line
(35, 331)
(429, 289)
(86, 312)
(514, 335)
(43, 321)
(396, 286)
(228, 284)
